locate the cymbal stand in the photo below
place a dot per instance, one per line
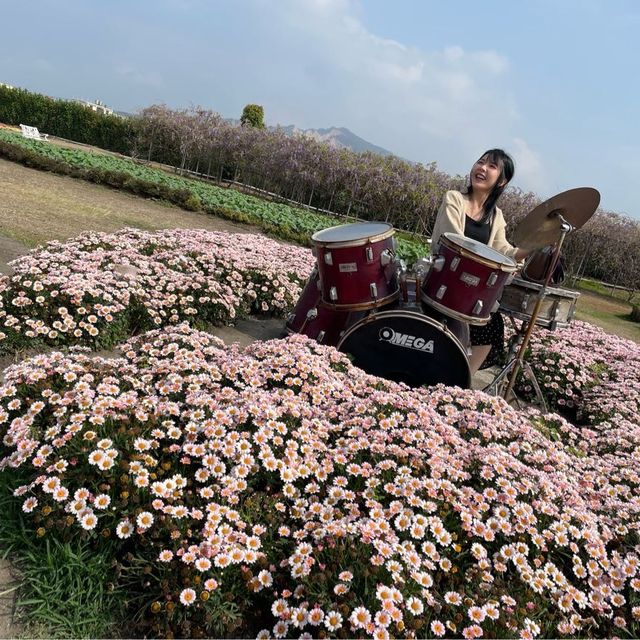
(517, 362)
(497, 384)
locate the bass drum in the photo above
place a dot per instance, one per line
(410, 347)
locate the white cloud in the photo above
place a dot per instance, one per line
(440, 104)
(530, 170)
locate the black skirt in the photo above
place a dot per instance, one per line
(491, 334)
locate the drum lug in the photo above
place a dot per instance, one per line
(312, 314)
(386, 257)
(492, 279)
(328, 258)
(374, 290)
(477, 308)
(496, 306)
(320, 337)
(525, 303)
(369, 253)
(441, 291)
(454, 263)
(438, 263)
(333, 293)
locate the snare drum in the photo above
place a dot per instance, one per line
(466, 279)
(357, 265)
(556, 311)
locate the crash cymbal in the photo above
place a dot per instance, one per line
(541, 226)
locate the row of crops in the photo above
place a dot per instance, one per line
(286, 222)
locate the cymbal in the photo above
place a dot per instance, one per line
(542, 226)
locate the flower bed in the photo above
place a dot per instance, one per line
(281, 489)
(585, 372)
(98, 289)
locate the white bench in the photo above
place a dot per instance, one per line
(32, 132)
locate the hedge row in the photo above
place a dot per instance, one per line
(66, 119)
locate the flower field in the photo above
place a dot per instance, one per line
(99, 288)
(278, 491)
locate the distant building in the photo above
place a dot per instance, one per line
(98, 106)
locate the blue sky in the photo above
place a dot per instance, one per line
(555, 82)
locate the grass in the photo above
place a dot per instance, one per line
(65, 586)
(610, 314)
(38, 206)
(608, 291)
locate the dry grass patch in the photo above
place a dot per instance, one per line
(608, 314)
(36, 206)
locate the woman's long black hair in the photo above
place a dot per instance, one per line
(507, 169)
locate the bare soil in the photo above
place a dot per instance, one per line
(37, 206)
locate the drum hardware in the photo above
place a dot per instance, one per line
(386, 257)
(328, 259)
(515, 361)
(495, 387)
(369, 253)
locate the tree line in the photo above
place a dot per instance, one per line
(364, 186)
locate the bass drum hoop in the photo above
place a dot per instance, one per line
(408, 314)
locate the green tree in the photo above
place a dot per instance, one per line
(253, 116)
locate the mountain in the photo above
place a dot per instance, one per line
(339, 137)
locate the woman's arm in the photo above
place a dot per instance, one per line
(498, 239)
(450, 218)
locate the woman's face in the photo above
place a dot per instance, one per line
(485, 174)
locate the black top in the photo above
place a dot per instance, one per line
(477, 230)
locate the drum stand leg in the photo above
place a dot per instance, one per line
(497, 387)
(516, 359)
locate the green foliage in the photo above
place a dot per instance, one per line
(281, 220)
(253, 116)
(66, 119)
(66, 587)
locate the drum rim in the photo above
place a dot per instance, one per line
(356, 242)
(456, 315)
(559, 291)
(413, 314)
(507, 264)
(361, 306)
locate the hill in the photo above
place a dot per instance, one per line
(339, 137)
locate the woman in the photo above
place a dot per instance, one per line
(474, 214)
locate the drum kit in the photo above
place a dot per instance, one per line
(412, 326)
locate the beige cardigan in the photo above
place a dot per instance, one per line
(451, 219)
